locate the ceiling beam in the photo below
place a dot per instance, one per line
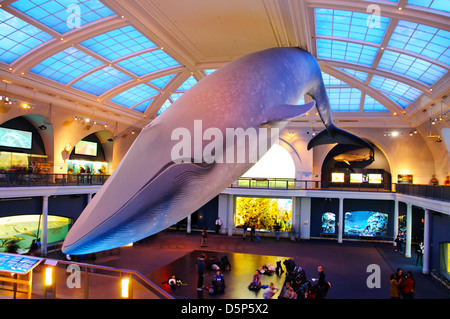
(380, 72)
(135, 82)
(53, 46)
(384, 100)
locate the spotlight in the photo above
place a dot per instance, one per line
(42, 127)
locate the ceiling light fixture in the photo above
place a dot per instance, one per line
(88, 121)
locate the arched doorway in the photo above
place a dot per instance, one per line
(350, 166)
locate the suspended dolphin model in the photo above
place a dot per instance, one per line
(165, 175)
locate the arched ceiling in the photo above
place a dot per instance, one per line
(381, 60)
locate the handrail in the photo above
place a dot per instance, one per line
(12, 179)
(97, 270)
(437, 192)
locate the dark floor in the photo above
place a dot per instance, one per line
(345, 265)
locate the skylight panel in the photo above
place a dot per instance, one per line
(66, 65)
(161, 82)
(372, 105)
(414, 67)
(101, 81)
(408, 92)
(169, 102)
(165, 106)
(63, 15)
(118, 43)
(344, 99)
(442, 5)
(208, 72)
(143, 106)
(346, 51)
(402, 102)
(134, 95)
(357, 74)
(422, 39)
(17, 37)
(148, 62)
(352, 25)
(190, 82)
(330, 80)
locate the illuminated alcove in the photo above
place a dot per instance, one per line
(276, 163)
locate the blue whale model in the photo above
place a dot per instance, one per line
(165, 175)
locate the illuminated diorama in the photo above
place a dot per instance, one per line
(22, 230)
(264, 213)
(366, 223)
(328, 223)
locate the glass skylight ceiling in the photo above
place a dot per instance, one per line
(412, 51)
(124, 67)
(56, 13)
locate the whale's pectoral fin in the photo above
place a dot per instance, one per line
(285, 112)
(333, 134)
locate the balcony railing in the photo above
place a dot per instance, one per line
(25, 179)
(274, 183)
(441, 193)
(438, 192)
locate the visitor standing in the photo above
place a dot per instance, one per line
(277, 229)
(419, 253)
(408, 286)
(244, 234)
(218, 224)
(200, 266)
(395, 292)
(252, 232)
(204, 237)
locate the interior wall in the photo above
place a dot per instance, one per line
(64, 130)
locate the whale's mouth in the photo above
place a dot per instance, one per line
(172, 174)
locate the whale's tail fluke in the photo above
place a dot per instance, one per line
(333, 134)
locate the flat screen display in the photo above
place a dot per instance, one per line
(337, 177)
(375, 178)
(15, 138)
(264, 213)
(356, 178)
(86, 148)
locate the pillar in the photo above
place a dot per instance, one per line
(89, 198)
(395, 221)
(189, 221)
(426, 243)
(230, 221)
(295, 231)
(44, 225)
(341, 220)
(305, 217)
(408, 230)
